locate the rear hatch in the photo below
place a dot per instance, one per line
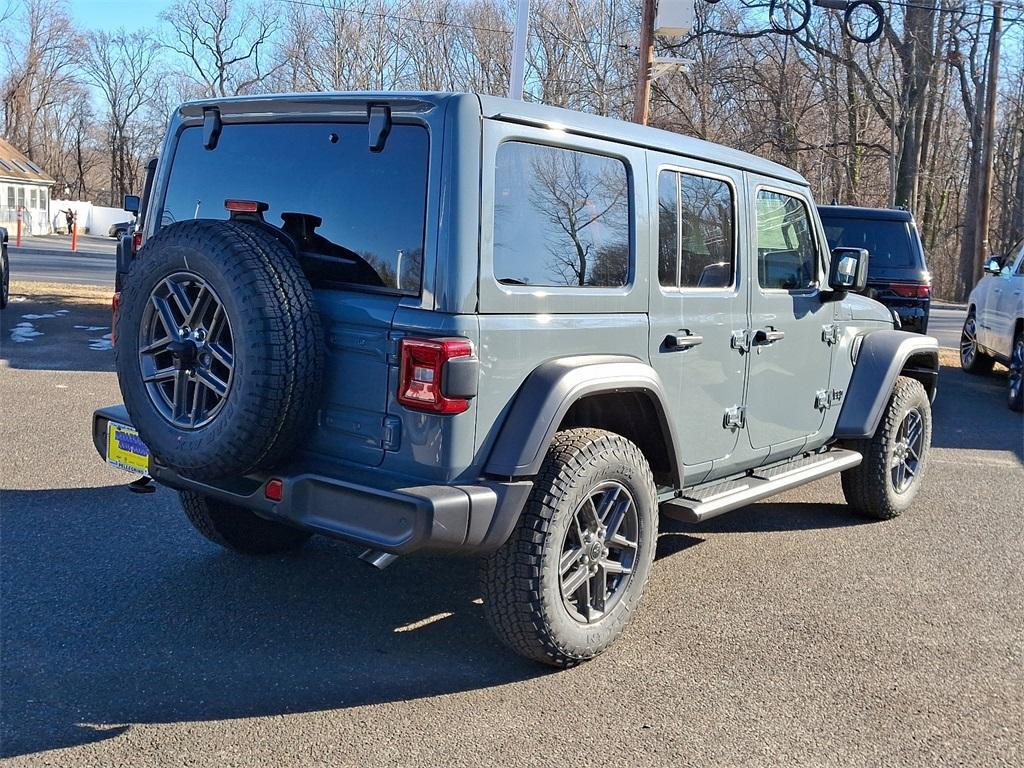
(896, 268)
(358, 217)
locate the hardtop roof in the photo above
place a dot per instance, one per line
(856, 212)
(508, 109)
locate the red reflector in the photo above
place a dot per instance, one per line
(245, 206)
(420, 381)
(115, 306)
(274, 490)
(136, 241)
(911, 290)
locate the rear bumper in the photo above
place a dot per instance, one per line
(367, 508)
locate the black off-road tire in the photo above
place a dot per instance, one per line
(521, 586)
(869, 487)
(278, 347)
(5, 277)
(239, 529)
(1015, 379)
(973, 360)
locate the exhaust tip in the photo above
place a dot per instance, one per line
(376, 558)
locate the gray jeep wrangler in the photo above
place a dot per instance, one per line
(460, 324)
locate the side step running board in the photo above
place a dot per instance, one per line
(705, 501)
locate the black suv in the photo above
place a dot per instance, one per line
(897, 274)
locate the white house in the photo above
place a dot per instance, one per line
(24, 186)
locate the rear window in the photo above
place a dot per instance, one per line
(357, 216)
(561, 218)
(888, 242)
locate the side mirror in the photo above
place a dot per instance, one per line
(132, 203)
(992, 266)
(848, 270)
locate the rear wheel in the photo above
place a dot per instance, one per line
(1015, 391)
(565, 584)
(972, 359)
(239, 529)
(895, 458)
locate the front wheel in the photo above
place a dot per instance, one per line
(972, 359)
(1015, 392)
(895, 458)
(565, 584)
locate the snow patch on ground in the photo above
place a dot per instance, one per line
(38, 317)
(91, 327)
(23, 332)
(101, 344)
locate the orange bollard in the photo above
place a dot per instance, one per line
(74, 237)
(17, 241)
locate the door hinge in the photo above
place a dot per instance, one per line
(741, 340)
(830, 334)
(827, 398)
(735, 417)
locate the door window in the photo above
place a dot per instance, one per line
(561, 218)
(786, 256)
(695, 225)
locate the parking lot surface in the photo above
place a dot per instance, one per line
(788, 633)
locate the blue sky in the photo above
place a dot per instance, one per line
(112, 14)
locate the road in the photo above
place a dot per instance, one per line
(789, 633)
(50, 260)
(945, 325)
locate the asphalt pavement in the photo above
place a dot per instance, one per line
(945, 324)
(789, 633)
(50, 259)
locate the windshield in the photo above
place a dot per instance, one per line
(888, 242)
(356, 216)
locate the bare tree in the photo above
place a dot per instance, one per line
(223, 44)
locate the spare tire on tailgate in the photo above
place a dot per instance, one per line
(219, 348)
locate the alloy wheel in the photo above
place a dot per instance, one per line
(968, 343)
(1016, 378)
(599, 552)
(907, 452)
(186, 350)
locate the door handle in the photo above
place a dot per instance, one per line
(768, 336)
(682, 340)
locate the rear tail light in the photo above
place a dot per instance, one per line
(115, 306)
(136, 241)
(421, 384)
(274, 490)
(911, 290)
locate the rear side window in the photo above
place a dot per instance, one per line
(889, 243)
(695, 231)
(561, 218)
(786, 256)
(356, 216)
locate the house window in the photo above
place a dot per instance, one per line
(561, 218)
(43, 205)
(21, 197)
(10, 197)
(33, 198)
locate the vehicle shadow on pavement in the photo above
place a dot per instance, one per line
(116, 612)
(56, 333)
(977, 418)
(767, 517)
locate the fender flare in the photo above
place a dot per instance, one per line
(884, 355)
(548, 393)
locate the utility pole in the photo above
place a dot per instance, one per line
(989, 138)
(641, 104)
(515, 81)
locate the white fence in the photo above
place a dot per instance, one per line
(92, 219)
